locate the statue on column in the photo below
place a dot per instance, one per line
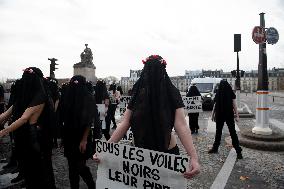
(86, 58)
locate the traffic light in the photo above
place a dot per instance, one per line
(242, 73)
(52, 67)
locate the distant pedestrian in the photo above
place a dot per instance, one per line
(120, 90)
(78, 116)
(52, 84)
(114, 96)
(193, 117)
(223, 111)
(102, 97)
(129, 92)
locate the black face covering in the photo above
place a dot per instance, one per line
(78, 107)
(193, 91)
(100, 92)
(30, 91)
(224, 101)
(153, 106)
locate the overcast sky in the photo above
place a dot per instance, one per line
(189, 34)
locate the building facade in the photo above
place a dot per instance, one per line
(248, 82)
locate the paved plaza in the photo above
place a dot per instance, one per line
(258, 169)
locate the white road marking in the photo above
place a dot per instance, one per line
(224, 174)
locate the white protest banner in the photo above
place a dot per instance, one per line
(124, 100)
(101, 110)
(192, 104)
(128, 135)
(124, 167)
(122, 109)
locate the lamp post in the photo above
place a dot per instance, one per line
(262, 118)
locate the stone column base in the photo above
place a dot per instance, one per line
(261, 130)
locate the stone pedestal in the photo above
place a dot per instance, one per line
(87, 71)
(86, 67)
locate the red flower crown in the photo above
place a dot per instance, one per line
(28, 70)
(152, 57)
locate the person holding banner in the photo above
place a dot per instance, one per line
(78, 109)
(155, 108)
(193, 117)
(223, 111)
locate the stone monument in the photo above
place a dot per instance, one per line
(86, 67)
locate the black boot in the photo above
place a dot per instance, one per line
(239, 156)
(213, 150)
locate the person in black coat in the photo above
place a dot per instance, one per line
(78, 108)
(223, 111)
(193, 117)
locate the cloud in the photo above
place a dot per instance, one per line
(189, 34)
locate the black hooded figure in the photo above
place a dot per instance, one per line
(193, 117)
(32, 111)
(223, 111)
(155, 108)
(120, 90)
(153, 104)
(52, 84)
(78, 108)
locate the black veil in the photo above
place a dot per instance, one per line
(193, 91)
(30, 91)
(100, 91)
(153, 106)
(78, 109)
(223, 100)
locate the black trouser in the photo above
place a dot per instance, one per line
(193, 121)
(106, 130)
(35, 160)
(111, 115)
(232, 130)
(77, 168)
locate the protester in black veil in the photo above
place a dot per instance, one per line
(155, 108)
(32, 111)
(223, 111)
(52, 84)
(120, 90)
(78, 116)
(15, 159)
(193, 117)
